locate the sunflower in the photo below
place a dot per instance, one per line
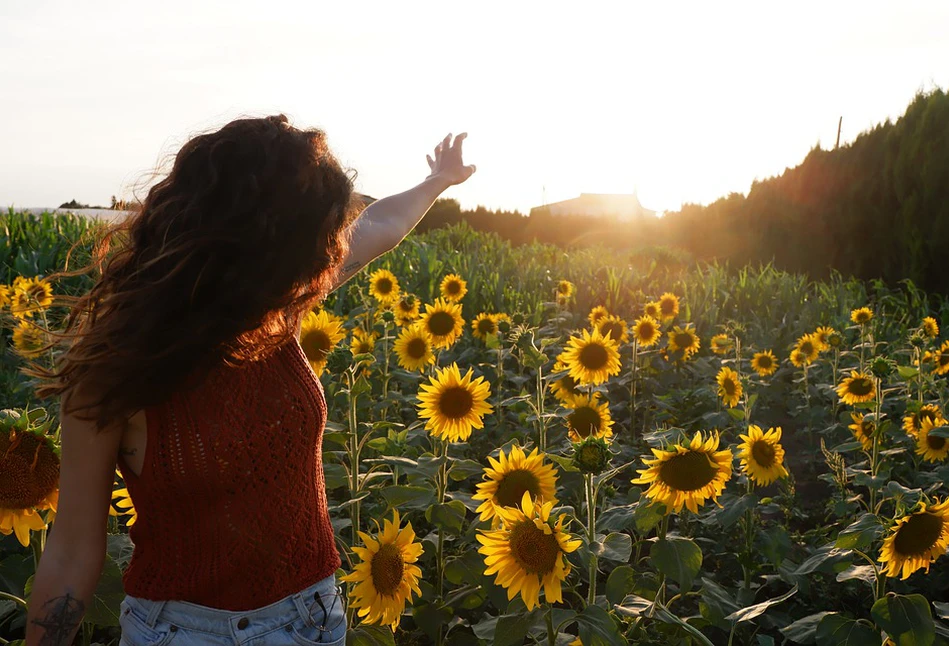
(414, 348)
(319, 334)
(930, 327)
(646, 331)
(384, 286)
(722, 344)
(123, 500)
(861, 315)
(931, 447)
(510, 476)
(824, 335)
(668, 306)
(589, 418)
(29, 339)
(406, 310)
(566, 289)
(863, 430)
(809, 346)
(30, 295)
(5, 292)
(764, 363)
(652, 310)
(386, 576)
(913, 422)
(442, 320)
(729, 386)
(29, 481)
(596, 314)
(453, 288)
(527, 552)
(454, 405)
(687, 475)
(484, 325)
(917, 540)
(363, 342)
(591, 358)
(614, 326)
(565, 388)
(858, 387)
(762, 456)
(684, 340)
(798, 358)
(940, 358)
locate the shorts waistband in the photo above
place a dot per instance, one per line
(246, 623)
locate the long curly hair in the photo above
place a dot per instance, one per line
(220, 263)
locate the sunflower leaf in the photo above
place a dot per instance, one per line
(614, 547)
(859, 534)
(597, 628)
(750, 612)
(804, 631)
(836, 630)
(907, 619)
(369, 635)
(678, 558)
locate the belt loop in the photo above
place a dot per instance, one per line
(154, 610)
(302, 609)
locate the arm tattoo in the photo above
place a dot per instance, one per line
(62, 616)
(353, 266)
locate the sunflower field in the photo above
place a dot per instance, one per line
(533, 446)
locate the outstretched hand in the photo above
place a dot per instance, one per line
(447, 163)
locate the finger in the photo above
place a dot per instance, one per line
(458, 141)
(431, 162)
(446, 143)
(471, 170)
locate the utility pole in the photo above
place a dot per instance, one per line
(839, 123)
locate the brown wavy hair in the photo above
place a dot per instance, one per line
(220, 262)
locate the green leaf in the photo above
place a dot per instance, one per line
(648, 515)
(804, 631)
(907, 372)
(409, 497)
(730, 512)
(749, 613)
(335, 475)
(597, 628)
(737, 413)
(859, 534)
(615, 547)
(680, 559)
(939, 431)
(430, 618)
(449, 516)
(369, 635)
(907, 619)
(108, 596)
(620, 583)
(120, 549)
(464, 469)
(14, 571)
(836, 630)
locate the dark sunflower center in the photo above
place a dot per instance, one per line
(316, 345)
(453, 287)
(534, 550)
(36, 292)
(729, 387)
(862, 317)
(29, 471)
(763, 453)
(614, 329)
(944, 359)
(486, 326)
(593, 356)
(416, 348)
(568, 384)
(667, 307)
(513, 485)
(764, 362)
(936, 443)
(406, 307)
(441, 323)
(918, 535)
(688, 472)
(646, 330)
(652, 312)
(860, 386)
(363, 347)
(384, 286)
(584, 420)
(924, 415)
(387, 569)
(683, 341)
(455, 402)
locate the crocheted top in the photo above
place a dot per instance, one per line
(231, 500)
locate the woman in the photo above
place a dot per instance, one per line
(182, 367)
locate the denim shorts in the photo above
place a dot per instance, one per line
(316, 615)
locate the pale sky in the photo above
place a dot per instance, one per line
(680, 101)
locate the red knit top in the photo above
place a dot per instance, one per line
(231, 501)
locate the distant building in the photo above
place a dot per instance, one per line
(620, 205)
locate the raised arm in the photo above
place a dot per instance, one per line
(386, 222)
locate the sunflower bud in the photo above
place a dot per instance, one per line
(517, 319)
(388, 317)
(917, 339)
(881, 367)
(834, 339)
(504, 327)
(592, 455)
(338, 360)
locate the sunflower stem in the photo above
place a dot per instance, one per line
(14, 598)
(500, 367)
(632, 391)
(749, 540)
(591, 534)
(663, 528)
(874, 460)
(385, 371)
(551, 634)
(541, 422)
(52, 361)
(354, 455)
